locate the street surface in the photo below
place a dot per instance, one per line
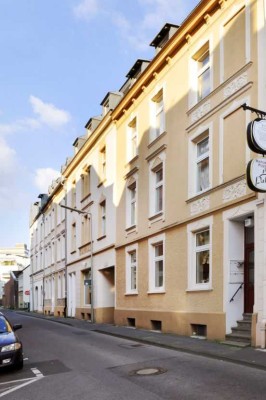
(63, 362)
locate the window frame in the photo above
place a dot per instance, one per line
(132, 139)
(153, 243)
(201, 134)
(131, 202)
(192, 230)
(155, 165)
(196, 71)
(129, 266)
(157, 114)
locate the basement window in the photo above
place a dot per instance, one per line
(199, 331)
(156, 325)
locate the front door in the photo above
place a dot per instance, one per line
(249, 278)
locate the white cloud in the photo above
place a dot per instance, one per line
(8, 161)
(44, 177)
(48, 113)
(151, 16)
(87, 9)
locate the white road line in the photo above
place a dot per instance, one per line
(19, 386)
(38, 375)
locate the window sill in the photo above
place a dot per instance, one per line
(101, 237)
(133, 159)
(200, 289)
(156, 217)
(131, 293)
(131, 228)
(156, 291)
(153, 141)
(101, 182)
(85, 197)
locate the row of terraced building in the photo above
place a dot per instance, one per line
(161, 230)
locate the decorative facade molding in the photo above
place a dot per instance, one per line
(201, 111)
(235, 191)
(200, 205)
(235, 85)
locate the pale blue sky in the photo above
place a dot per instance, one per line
(59, 58)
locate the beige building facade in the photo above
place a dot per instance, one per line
(191, 260)
(161, 230)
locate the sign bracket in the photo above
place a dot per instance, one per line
(260, 114)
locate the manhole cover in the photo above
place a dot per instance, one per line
(148, 371)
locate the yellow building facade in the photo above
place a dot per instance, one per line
(162, 230)
(186, 218)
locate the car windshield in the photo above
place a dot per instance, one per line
(4, 325)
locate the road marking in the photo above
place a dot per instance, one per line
(26, 381)
(37, 373)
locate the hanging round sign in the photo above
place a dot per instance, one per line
(256, 175)
(256, 135)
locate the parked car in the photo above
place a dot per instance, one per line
(11, 350)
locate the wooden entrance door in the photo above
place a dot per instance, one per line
(249, 278)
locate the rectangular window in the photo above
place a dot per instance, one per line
(132, 139)
(132, 204)
(202, 165)
(87, 287)
(158, 175)
(157, 261)
(103, 218)
(85, 183)
(158, 115)
(73, 195)
(103, 164)
(85, 233)
(203, 67)
(131, 270)
(202, 254)
(73, 237)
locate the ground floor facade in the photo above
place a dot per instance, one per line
(198, 278)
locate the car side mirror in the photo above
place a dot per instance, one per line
(16, 327)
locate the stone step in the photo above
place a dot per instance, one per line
(247, 317)
(241, 328)
(239, 337)
(244, 323)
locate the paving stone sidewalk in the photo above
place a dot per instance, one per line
(248, 356)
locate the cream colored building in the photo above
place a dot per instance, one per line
(162, 231)
(190, 233)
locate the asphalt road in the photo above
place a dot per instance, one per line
(62, 362)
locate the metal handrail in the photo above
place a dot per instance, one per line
(240, 287)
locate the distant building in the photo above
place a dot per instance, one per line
(12, 259)
(10, 291)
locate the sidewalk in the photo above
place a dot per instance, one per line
(245, 356)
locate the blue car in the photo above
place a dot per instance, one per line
(11, 351)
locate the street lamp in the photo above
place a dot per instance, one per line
(92, 287)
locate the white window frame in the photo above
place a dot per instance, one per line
(195, 72)
(157, 113)
(132, 139)
(193, 159)
(192, 230)
(102, 220)
(154, 166)
(152, 243)
(131, 202)
(129, 266)
(86, 275)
